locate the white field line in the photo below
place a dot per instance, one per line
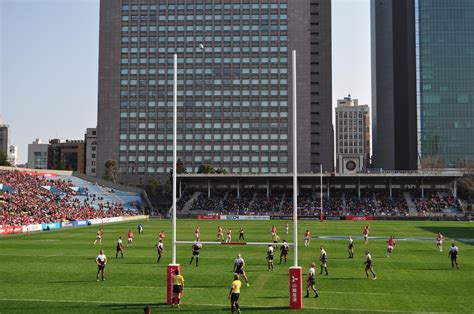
(215, 305)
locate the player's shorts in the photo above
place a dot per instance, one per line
(311, 281)
(365, 236)
(101, 266)
(239, 271)
(196, 254)
(324, 264)
(177, 288)
(368, 266)
(119, 248)
(454, 257)
(234, 297)
(307, 238)
(439, 242)
(130, 239)
(270, 258)
(273, 234)
(98, 237)
(351, 246)
(284, 253)
(390, 247)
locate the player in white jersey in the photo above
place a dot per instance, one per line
(286, 228)
(239, 265)
(119, 247)
(159, 249)
(229, 236)
(350, 247)
(369, 265)
(101, 261)
(311, 280)
(270, 258)
(197, 234)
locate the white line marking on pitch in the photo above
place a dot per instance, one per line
(215, 305)
(52, 255)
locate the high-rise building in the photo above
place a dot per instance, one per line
(90, 141)
(352, 136)
(393, 84)
(422, 81)
(13, 154)
(445, 79)
(234, 85)
(38, 155)
(4, 137)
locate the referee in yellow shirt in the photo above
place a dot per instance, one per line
(234, 293)
(178, 286)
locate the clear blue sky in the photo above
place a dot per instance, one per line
(49, 61)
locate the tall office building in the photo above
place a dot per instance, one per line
(445, 79)
(352, 136)
(234, 85)
(38, 155)
(90, 143)
(393, 84)
(422, 81)
(4, 137)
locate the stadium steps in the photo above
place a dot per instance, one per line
(411, 205)
(189, 204)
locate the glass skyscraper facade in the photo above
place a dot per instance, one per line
(445, 78)
(234, 100)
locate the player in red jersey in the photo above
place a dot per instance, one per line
(274, 230)
(220, 234)
(365, 233)
(391, 246)
(161, 235)
(130, 238)
(286, 228)
(439, 242)
(229, 236)
(307, 238)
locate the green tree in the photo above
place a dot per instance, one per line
(209, 169)
(4, 161)
(111, 171)
(180, 168)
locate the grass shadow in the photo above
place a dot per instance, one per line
(457, 233)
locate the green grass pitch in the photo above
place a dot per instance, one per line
(54, 272)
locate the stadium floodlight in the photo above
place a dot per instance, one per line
(321, 218)
(296, 278)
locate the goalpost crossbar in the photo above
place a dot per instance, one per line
(231, 243)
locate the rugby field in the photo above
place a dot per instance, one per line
(54, 272)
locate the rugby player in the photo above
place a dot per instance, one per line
(284, 248)
(130, 238)
(160, 249)
(140, 228)
(229, 236)
(323, 258)
(178, 286)
(101, 261)
(350, 247)
(119, 247)
(234, 294)
(275, 239)
(197, 234)
(307, 238)
(196, 248)
(453, 253)
(439, 242)
(98, 237)
(369, 266)
(391, 246)
(220, 234)
(274, 230)
(270, 257)
(365, 233)
(161, 235)
(286, 228)
(239, 265)
(311, 280)
(241, 234)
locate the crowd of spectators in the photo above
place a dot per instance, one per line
(340, 202)
(28, 202)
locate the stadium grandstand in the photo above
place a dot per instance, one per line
(45, 196)
(387, 194)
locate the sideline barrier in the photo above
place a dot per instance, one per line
(77, 223)
(95, 221)
(131, 218)
(239, 217)
(359, 217)
(36, 227)
(111, 219)
(316, 217)
(51, 225)
(66, 224)
(208, 217)
(11, 229)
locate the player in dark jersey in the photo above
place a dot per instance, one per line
(311, 280)
(323, 258)
(239, 265)
(196, 248)
(101, 261)
(453, 253)
(119, 247)
(241, 234)
(284, 248)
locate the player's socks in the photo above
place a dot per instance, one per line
(197, 261)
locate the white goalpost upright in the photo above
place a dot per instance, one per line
(296, 285)
(173, 266)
